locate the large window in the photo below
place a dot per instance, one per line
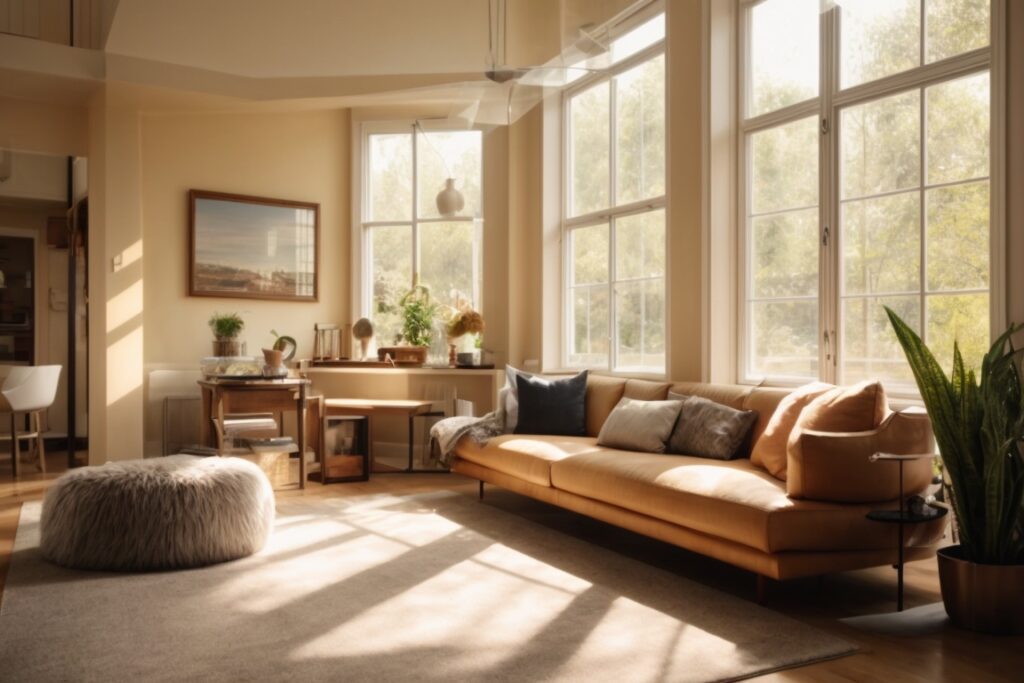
(866, 183)
(405, 240)
(614, 209)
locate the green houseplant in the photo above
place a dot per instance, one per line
(978, 421)
(419, 313)
(226, 327)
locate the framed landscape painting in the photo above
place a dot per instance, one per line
(252, 247)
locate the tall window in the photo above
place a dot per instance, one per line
(405, 240)
(614, 209)
(867, 184)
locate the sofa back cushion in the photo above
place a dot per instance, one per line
(732, 395)
(646, 390)
(603, 394)
(763, 401)
(639, 425)
(770, 450)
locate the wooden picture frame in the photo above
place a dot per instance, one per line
(246, 247)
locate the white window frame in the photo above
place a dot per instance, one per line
(362, 258)
(827, 107)
(610, 215)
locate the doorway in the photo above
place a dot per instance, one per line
(17, 299)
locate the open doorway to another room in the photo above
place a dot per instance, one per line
(43, 299)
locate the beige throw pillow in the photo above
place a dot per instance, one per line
(639, 425)
(770, 451)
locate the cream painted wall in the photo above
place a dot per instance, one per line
(525, 175)
(301, 156)
(45, 128)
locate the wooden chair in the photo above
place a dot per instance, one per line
(29, 391)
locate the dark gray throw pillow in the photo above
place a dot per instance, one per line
(709, 430)
(552, 406)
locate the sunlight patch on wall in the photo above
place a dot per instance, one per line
(124, 365)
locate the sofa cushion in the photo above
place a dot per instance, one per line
(763, 401)
(646, 390)
(640, 425)
(526, 457)
(708, 429)
(552, 406)
(770, 450)
(603, 394)
(731, 499)
(732, 395)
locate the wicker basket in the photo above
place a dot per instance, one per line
(276, 465)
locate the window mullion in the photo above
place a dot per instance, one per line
(415, 221)
(828, 208)
(613, 314)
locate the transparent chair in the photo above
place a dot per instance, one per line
(28, 391)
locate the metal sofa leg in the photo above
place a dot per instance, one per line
(481, 489)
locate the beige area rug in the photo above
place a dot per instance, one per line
(430, 587)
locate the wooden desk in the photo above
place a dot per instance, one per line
(225, 396)
(376, 406)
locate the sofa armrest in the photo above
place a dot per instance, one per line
(836, 466)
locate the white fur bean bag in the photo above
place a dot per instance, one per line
(162, 513)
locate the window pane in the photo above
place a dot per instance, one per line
(784, 339)
(955, 26)
(390, 181)
(881, 145)
(589, 316)
(448, 265)
(448, 154)
(958, 129)
(784, 166)
(590, 122)
(391, 261)
(782, 71)
(644, 35)
(870, 349)
(640, 315)
(958, 230)
(589, 249)
(784, 254)
(963, 318)
(640, 245)
(878, 38)
(640, 131)
(881, 244)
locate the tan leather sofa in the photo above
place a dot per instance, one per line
(729, 510)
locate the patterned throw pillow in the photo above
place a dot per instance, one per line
(709, 430)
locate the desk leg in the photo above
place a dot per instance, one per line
(300, 428)
(412, 433)
(205, 435)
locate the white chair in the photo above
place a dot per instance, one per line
(29, 390)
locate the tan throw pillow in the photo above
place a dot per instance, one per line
(771, 448)
(640, 425)
(858, 408)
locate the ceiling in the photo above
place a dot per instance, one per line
(305, 38)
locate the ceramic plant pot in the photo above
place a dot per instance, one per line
(982, 597)
(224, 346)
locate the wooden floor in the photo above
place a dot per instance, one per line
(951, 655)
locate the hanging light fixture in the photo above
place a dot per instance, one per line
(449, 200)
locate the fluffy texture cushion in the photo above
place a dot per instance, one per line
(708, 429)
(858, 408)
(770, 451)
(639, 425)
(552, 406)
(163, 513)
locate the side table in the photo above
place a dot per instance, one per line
(901, 516)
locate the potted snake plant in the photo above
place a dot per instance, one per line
(978, 420)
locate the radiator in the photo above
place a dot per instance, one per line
(182, 415)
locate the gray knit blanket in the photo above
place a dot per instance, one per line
(446, 433)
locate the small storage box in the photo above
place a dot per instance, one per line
(345, 449)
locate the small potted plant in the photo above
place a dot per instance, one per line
(418, 314)
(978, 421)
(226, 327)
(275, 356)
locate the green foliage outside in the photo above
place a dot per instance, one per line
(937, 278)
(979, 427)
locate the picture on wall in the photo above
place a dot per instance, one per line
(252, 247)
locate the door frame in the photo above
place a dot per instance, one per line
(37, 304)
